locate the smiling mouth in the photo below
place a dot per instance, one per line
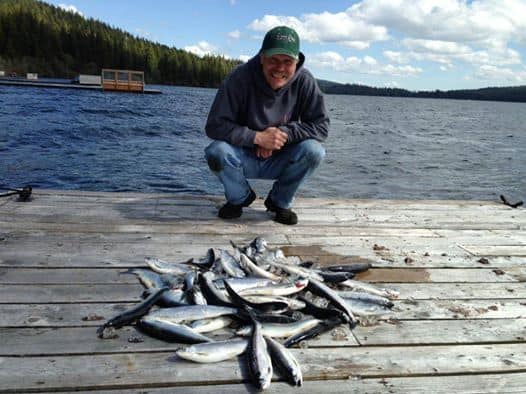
(278, 76)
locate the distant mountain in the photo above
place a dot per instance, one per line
(512, 93)
(38, 37)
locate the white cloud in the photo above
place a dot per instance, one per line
(70, 8)
(326, 27)
(502, 75)
(270, 21)
(396, 57)
(365, 65)
(449, 31)
(446, 67)
(448, 20)
(245, 58)
(202, 48)
(436, 46)
(447, 52)
(496, 57)
(360, 45)
(370, 61)
(236, 34)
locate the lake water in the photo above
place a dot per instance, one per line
(377, 148)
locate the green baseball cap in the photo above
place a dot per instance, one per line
(281, 40)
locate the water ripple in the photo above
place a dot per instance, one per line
(377, 148)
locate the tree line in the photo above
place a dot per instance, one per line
(39, 37)
(511, 93)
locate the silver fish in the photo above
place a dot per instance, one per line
(191, 313)
(197, 296)
(163, 267)
(259, 362)
(169, 331)
(366, 297)
(297, 270)
(230, 265)
(291, 302)
(322, 290)
(285, 361)
(212, 293)
(209, 325)
(251, 268)
(193, 290)
(240, 284)
(171, 298)
(207, 261)
(133, 314)
(259, 244)
(189, 280)
(278, 330)
(369, 288)
(213, 352)
(172, 281)
(279, 289)
(362, 308)
(149, 279)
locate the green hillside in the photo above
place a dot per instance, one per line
(38, 37)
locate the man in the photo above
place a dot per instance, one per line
(268, 119)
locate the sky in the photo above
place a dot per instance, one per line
(409, 44)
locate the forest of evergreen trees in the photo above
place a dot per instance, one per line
(38, 37)
(511, 93)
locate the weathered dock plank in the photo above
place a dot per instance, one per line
(381, 244)
(119, 371)
(422, 332)
(464, 384)
(112, 257)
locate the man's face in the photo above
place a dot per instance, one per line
(278, 69)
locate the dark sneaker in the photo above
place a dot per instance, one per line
(232, 211)
(283, 216)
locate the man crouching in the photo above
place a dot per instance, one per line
(268, 119)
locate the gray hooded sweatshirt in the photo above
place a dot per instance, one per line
(245, 104)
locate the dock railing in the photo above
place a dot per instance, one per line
(123, 80)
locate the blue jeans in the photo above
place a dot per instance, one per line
(289, 166)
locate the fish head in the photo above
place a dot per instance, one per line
(297, 378)
(264, 378)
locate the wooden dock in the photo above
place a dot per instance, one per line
(66, 85)
(459, 324)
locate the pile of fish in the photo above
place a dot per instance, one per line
(259, 294)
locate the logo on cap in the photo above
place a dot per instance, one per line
(281, 40)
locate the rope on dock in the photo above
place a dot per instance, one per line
(24, 194)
